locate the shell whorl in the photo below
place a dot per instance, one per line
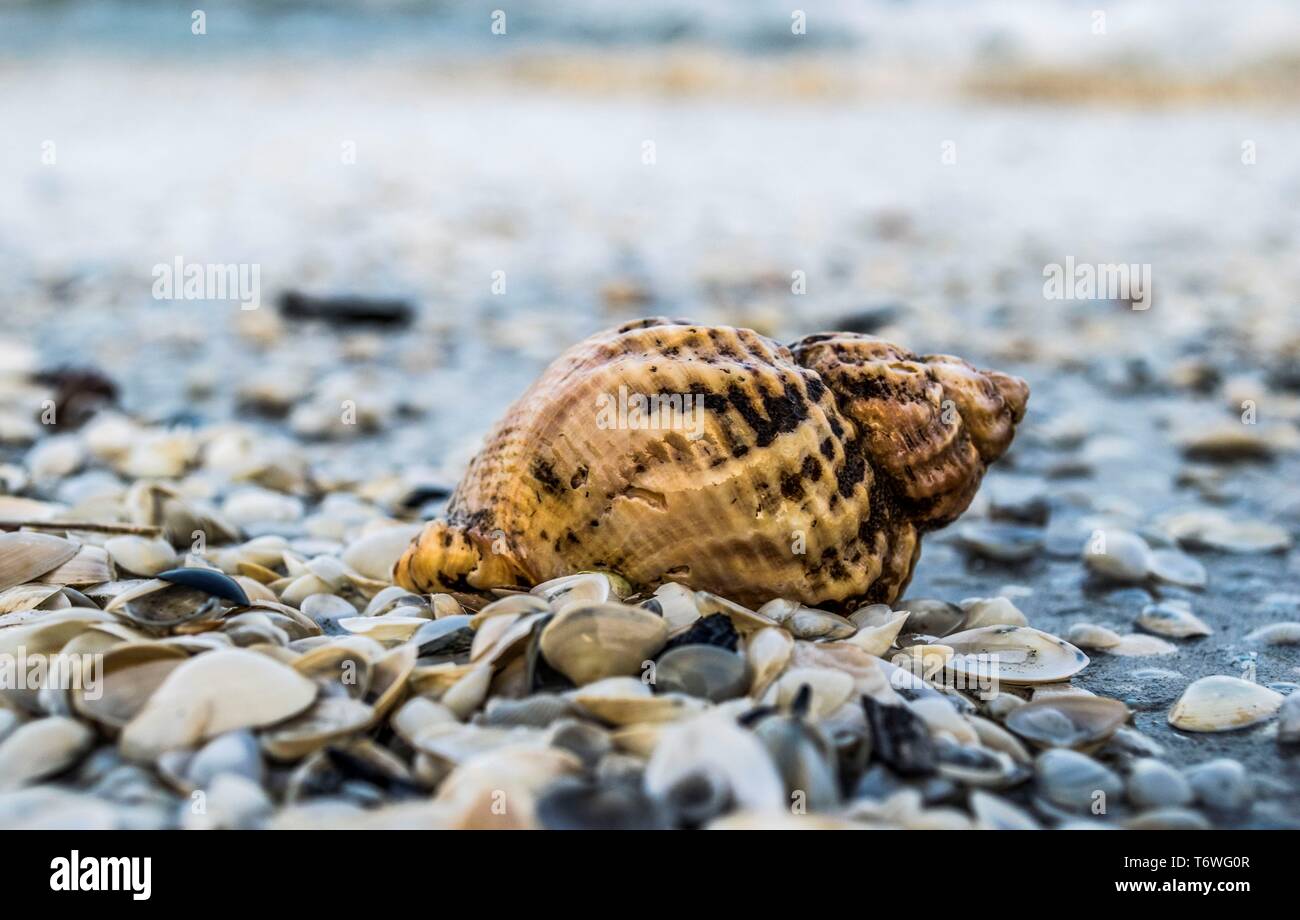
(810, 472)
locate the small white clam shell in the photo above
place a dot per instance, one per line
(768, 652)
(129, 674)
(590, 642)
(56, 457)
(877, 639)
(510, 605)
(584, 589)
(495, 644)
(327, 607)
(996, 738)
(267, 551)
(375, 554)
(744, 619)
(925, 661)
(830, 689)
(381, 601)
(386, 628)
(1288, 721)
(1118, 555)
(468, 799)
(1090, 635)
(254, 505)
(25, 557)
(1215, 530)
(1137, 645)
(1014, 655)
(942, 719)
(872, 676)
(1172, 619)
(1246, 537)
(678, 604)
(329, 718)
(213, 693)
(90, 566)
(1276, 634)
(1220, 703)
(140, 555)
(630, 701)
(21, 598)
(417, 715)
(1177, 568)
(1068, 721)
(50, 631)
(807, 622)
(992, 611)
(778, 610)
(715, 750)
(40, 748)
(871, 615)
(302, 587)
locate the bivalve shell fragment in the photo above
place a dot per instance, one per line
(1092, 636)
(130, 673)
(26, 556)
(213, 693)
(704, 671)
(328, 719)
(41, 748)
(1276, 634)
(141, 555)
(768, 652)
(1080, 722)
(588, 642)
(1172, 619)
(1220, 703)
(1014, 655)
(1118, 555)
(708, 764)
(877, 636)
(629, 701)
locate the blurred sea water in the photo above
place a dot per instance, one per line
(938, 34)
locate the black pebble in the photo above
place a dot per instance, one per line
(900, 739)
(209, 581)
(711, 630)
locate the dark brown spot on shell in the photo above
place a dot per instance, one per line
(544, 473)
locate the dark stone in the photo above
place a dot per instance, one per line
(350, 767)
(79, 392)
(579, 805)
(711, 630)
(448, 636)
(1024, 509)
(869, 320)
(347, 310)
(423, 494)
(900, 739)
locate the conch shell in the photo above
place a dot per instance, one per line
(807, 472)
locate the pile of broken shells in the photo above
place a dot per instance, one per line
(273, 682)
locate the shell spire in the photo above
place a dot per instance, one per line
(715, 457)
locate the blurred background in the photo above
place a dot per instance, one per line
(521, 182)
